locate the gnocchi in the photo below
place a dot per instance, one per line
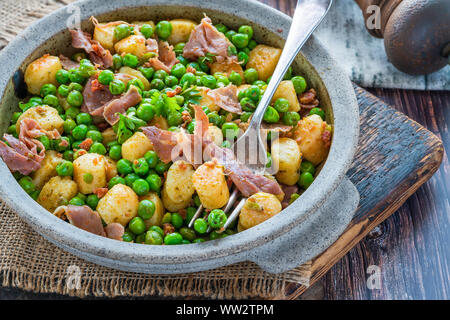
(89, 172)
(286, 90)
(181, 30)
(178, 185)
(136, 147)
(133, 44)
(286, 155)
(120, 204)
(264, 59)
(211, 186)
(155, 220)
(42, 71)
(258, 208)
(47, 118)
(137, 74)
(47, 169)
(57, 192)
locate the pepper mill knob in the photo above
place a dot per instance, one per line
(416, 32)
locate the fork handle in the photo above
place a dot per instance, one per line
(307, 16)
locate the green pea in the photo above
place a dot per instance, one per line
(171, 81)
(235, 78)
(86, 68)
(291, 118)
(130, 60)
(243, 58)
(230, 130)
(251, 75)
(130, 178)
(261, 84)
(153, 237)
(307, 166)
(252, 44)
(116, 180)
(200, 225)
(63, 90)
(72, 112)
(137, 225)
(305, 180)
(115, 152)
(146, 209)
(188, 78)
(157, 84)
(269, 160)
(76, 76)
(95, 135)
(61, 146)
(92, 201)
(223, 80)
(245, 116)
(177, 220)
(27, 184)
(163, 29)
(152, 158)
(98, 148)
(240, 40)
(253, 92)
(124, 166)
(68, 155)
(141, 187)
(47, 89)
(147, 72)
(162, 167)
(160, 74)
(221, 28)
(174, 118)
(128, 237)
(12, 129)
(76, 201)
(62, 76)
(217, 219)
(79, 132)
(35, 194)
(178, 70)
(173, 239)
(271, 115)
(215, 119)
(191, 127)
(122, 31)
(154, 182)
(198, 240)
(184, 241)
(75, 86)
(75, 99)
(242, 94)
(116, 87)
(281, 105)
(147, 30)
(84, 118)
(45, 141)
(179, 47)
(105, 77)
(203, 64)
(299, 84)
(88, 177)
(317, 111)
(229, 34)
(157, 229)
(187, 233)
(140, 238)
(51, 100)
(245, 29)
(140, 166)
(117, 61)
(65, 168)
(209, 81)
(215, 235)
(167, 218)
(15, 117)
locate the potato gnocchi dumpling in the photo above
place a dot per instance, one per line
(104, 34)
(89, 172)
(211, 186)
(227, 68)
(178, 185)
(133, 44)
(57, 192)
(286, 155)
(47, 118)
(258, 208)
(206, 100)
(181, 30)
(47, 169)
(119, 205)
(309, 136)
(136, 147)
(137, 74)
(216, 135)
(264, 59)
(42, 71)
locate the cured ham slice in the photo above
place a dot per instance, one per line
(166, 56)
(97, 54)
(226, 98)
(121, 105)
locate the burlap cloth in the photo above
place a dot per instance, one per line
(29, 262)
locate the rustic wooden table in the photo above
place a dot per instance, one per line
(410, 247)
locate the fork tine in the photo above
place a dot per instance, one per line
(196, 215)
(233, 216)
(231, 200)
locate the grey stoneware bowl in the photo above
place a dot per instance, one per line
(297, 234)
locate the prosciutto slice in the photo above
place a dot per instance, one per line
(164, 142)
(97, 54)
(205, 38)
(121, 105)
(17, 156)
(166, 56)
(67, 63)
(95, 96)
(114, 231)
(226, 98)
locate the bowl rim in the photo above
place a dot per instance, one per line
(343, 147)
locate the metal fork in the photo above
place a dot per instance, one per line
(250, 148)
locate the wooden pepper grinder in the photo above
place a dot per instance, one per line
(416, 32)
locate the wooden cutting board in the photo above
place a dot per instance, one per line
(396, 155)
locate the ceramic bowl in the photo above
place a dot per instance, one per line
(290, 238)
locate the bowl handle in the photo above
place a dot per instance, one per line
(311, 237)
